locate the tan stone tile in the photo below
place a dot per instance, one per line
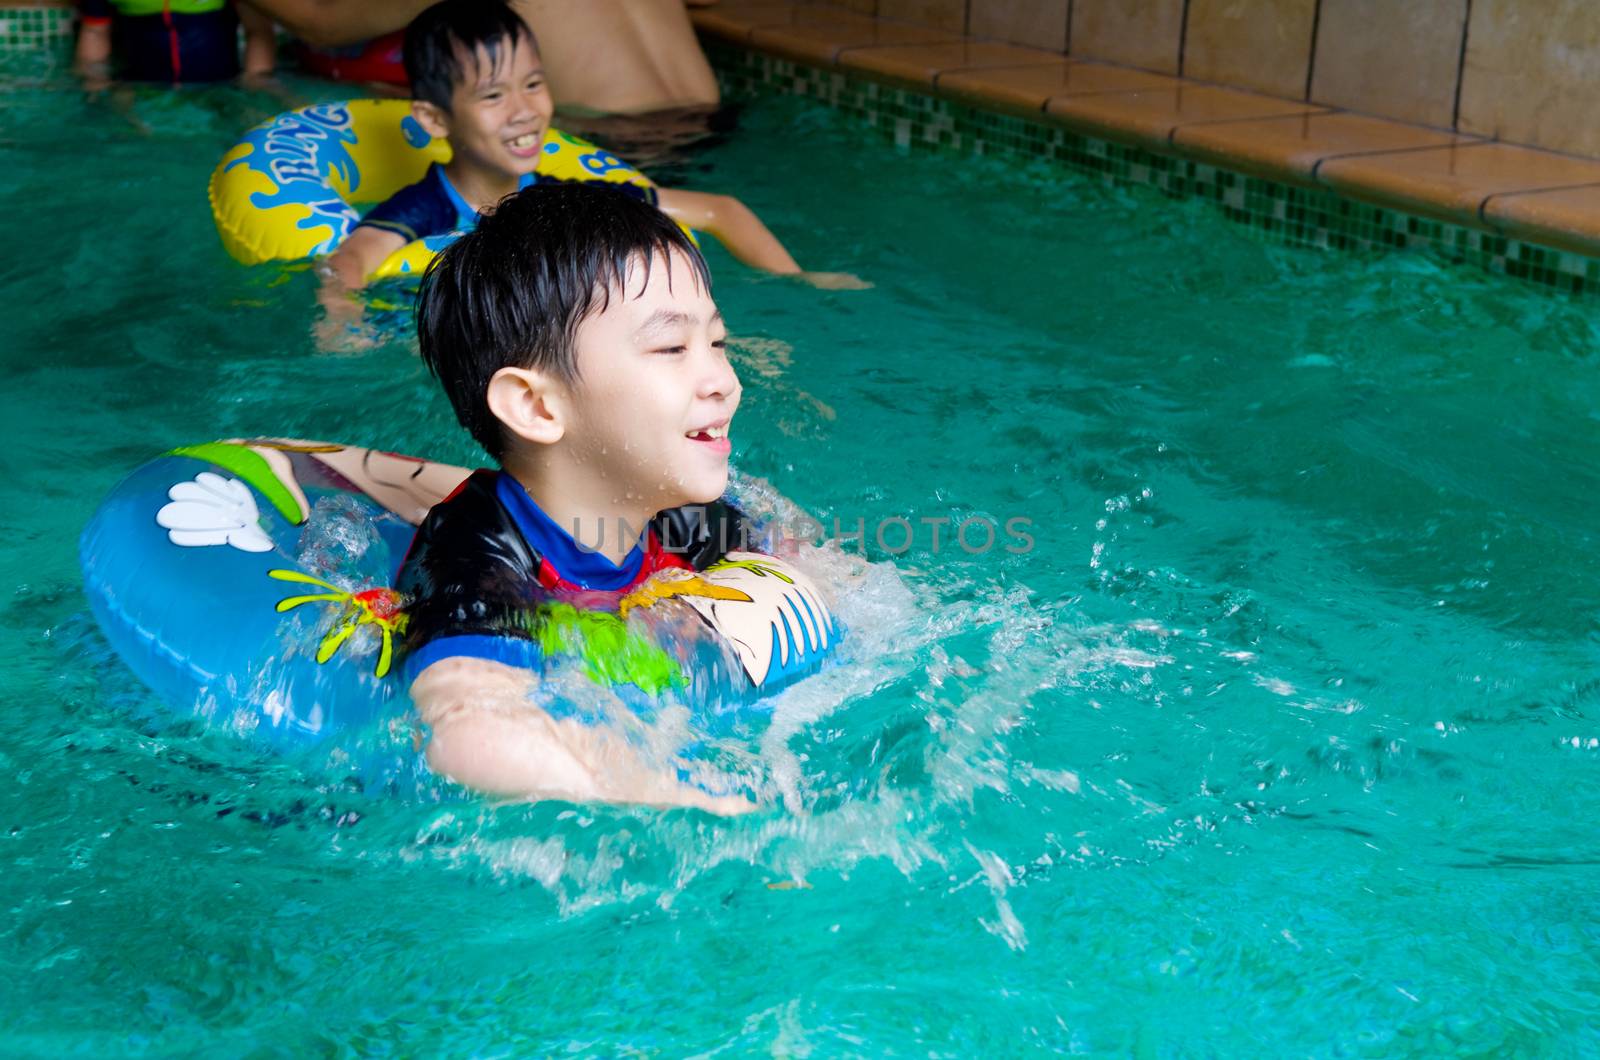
(1036, 23)
(1150, 117)
(921, 64)
(1259, 44)
(1453, 182)
(734, 21)
(1141, 33)
(1399, 60)
(1025, 89)
(1569, 219)
(940, 14)
(1531, 73)
(1289, 149)
(819, 34)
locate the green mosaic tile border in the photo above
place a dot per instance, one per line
(1302, 216)
(34, 27)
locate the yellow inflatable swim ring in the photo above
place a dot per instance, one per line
(289, 189)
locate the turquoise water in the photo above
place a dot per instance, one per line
(1281, 740)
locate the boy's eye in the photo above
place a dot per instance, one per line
(670, 349)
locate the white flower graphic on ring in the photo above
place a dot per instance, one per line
(213, 510)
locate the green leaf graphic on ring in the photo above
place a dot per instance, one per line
(370, 607)
(249, 465)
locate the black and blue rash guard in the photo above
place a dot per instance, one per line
(487, 557)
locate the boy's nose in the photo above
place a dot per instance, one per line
(720, 380)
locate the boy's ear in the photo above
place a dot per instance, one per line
(529, 404)
(434, 119)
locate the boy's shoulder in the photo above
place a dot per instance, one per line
(469, 572)
(418, 210)
(467, 539)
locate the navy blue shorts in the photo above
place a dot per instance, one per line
(177, 47)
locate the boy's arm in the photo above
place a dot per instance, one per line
(733, 223)
(260, 40)
(93, 54)
(363, 250)
(737, 227)
(488, 735)
(330, 23)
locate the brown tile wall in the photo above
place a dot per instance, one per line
(1398, 60)
(940, 14)
(1529, 71)
(1532, 73)
(1145, 33)
(1259, 44)
(1036, 23)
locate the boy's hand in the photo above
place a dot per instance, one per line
(341, 328)
(340, 277)
(834, 281)
(334, 334)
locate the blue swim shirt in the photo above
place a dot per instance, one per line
(434, 207)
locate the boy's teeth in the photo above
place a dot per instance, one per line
(710, 433)
(523, 141)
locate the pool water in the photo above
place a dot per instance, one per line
(1281, 739)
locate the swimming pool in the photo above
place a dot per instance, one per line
(1280, 738)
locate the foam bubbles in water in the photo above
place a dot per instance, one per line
(336, 541)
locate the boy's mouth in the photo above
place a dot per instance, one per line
(526, 145)
(714, 435)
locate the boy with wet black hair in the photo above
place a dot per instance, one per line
(575, 335)
(478, 82)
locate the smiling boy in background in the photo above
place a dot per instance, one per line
(478, 83)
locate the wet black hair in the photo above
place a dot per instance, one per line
(430, 52)
(512, 292)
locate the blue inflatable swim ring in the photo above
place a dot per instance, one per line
(247, 581)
